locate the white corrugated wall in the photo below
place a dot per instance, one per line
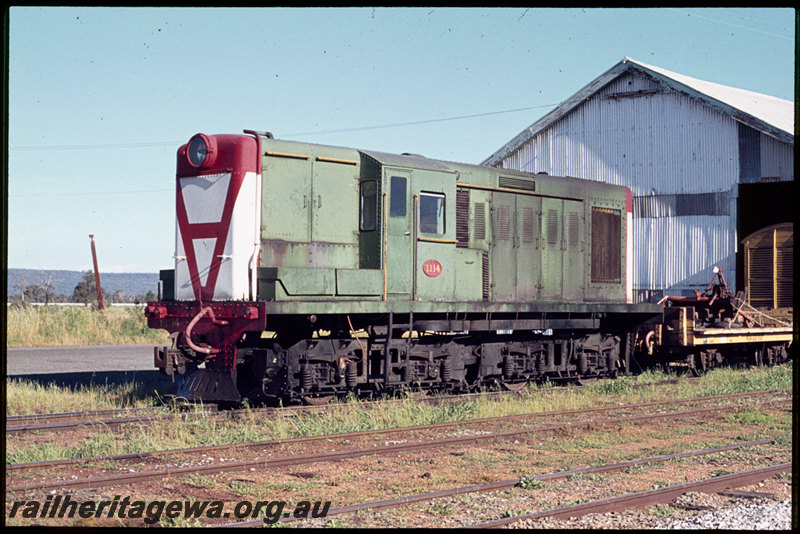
(657, 142)
(676, 254)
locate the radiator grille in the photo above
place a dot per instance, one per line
(485, 275)
(462, 219)
(480, 221)
(508, 182)
(503, 226)
(552, 227)
(527, 225)
(606, 245)
(574, 230)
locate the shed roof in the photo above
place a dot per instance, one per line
(768, 114)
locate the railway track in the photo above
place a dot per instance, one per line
(13, 421)
(353, 452)
(217, 449)
(62, 421)
(66, 420)
(615, 504)
(650, 497)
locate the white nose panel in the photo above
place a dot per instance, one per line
(217, 247)
(204, 197)
(204, 255)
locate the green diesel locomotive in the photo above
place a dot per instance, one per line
(304, 271)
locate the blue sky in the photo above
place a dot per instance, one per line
(100, 98)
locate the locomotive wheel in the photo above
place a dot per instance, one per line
(515, 387)
(319, 400)
(405, 391)
(587, 381)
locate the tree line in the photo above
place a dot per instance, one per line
(85, 292)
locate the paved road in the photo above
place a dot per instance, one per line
(84, 364)
(37, 360)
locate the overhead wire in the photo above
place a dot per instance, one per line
(297, 134)
(294, 134)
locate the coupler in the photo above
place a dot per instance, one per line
(204, 334)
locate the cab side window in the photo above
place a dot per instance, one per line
(397, 197)
(431, 213)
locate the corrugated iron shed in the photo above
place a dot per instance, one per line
(767, 114)
(682, 145)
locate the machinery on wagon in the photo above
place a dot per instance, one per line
(716, 327)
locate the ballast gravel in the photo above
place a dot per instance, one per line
(702, 511)
(769, 515)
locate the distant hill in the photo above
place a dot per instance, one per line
(64, 282)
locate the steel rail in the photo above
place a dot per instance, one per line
(40, 421)
(506, 484)
(70, 415)
(228, 414)
(92, 422)
(11, 468)
(300, 459)
(649, 497)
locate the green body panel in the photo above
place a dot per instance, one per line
(434, 235)
(562, 250)
(398, 235)
(480, 203)
(285, 201)
(441, 283)
(291, 282)
(309, 206)
(503, 251)
(467, 275)
(574, 251)
(552, 253)
(348, 231)
(321, 255)
(359, 282)
(528, 245)
(288, 283)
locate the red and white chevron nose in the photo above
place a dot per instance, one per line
(218, 221)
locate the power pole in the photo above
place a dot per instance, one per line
(96, 275)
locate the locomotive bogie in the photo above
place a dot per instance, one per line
(454, 363)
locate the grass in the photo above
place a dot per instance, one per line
(660, 510)
(97, 444)
(27, 397)
(529, 482)
(44, 326)
(441, 509)
(751, 418)
(732, 380)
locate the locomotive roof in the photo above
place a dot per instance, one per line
(416, 161)
(408, 160)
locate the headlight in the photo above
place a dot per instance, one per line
(197, 151)
(202, 151)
